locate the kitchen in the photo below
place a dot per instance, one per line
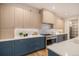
(40, 26)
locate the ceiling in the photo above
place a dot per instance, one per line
(63, 10)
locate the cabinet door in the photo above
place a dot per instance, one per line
(6, 48)
(38, 43)
(29, 45)
(59, 38)
(27, 18)
(59, 24)
(48, 17)
(32, 18)
(7, 16)
(35, 20)
(21, 47)
(19, 17)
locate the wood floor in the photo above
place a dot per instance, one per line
(43, 52)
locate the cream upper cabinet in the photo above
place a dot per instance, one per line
(48, 17)
(16, 16)
(19, 17)
(31, 18)
(26, 18)
(59, 24)
(35, 20)
(6, 16)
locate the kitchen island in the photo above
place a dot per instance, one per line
(64, 48)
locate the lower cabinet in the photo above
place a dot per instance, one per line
(22, 46)
(61, 38)
(6, 48)
(52, 53)
(36, 44)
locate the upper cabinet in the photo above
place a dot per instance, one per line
(35, 21)
(27, 18)
(19, 16)
(32, 18)
(48, 16)
(6, 16)
(59, 24)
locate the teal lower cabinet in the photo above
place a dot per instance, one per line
(61, 38)
(37, 43)
(22, 46)
(52, 53)
(6, 48)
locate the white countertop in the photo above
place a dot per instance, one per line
(60, 33)
(17, 38)
(66, 48)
